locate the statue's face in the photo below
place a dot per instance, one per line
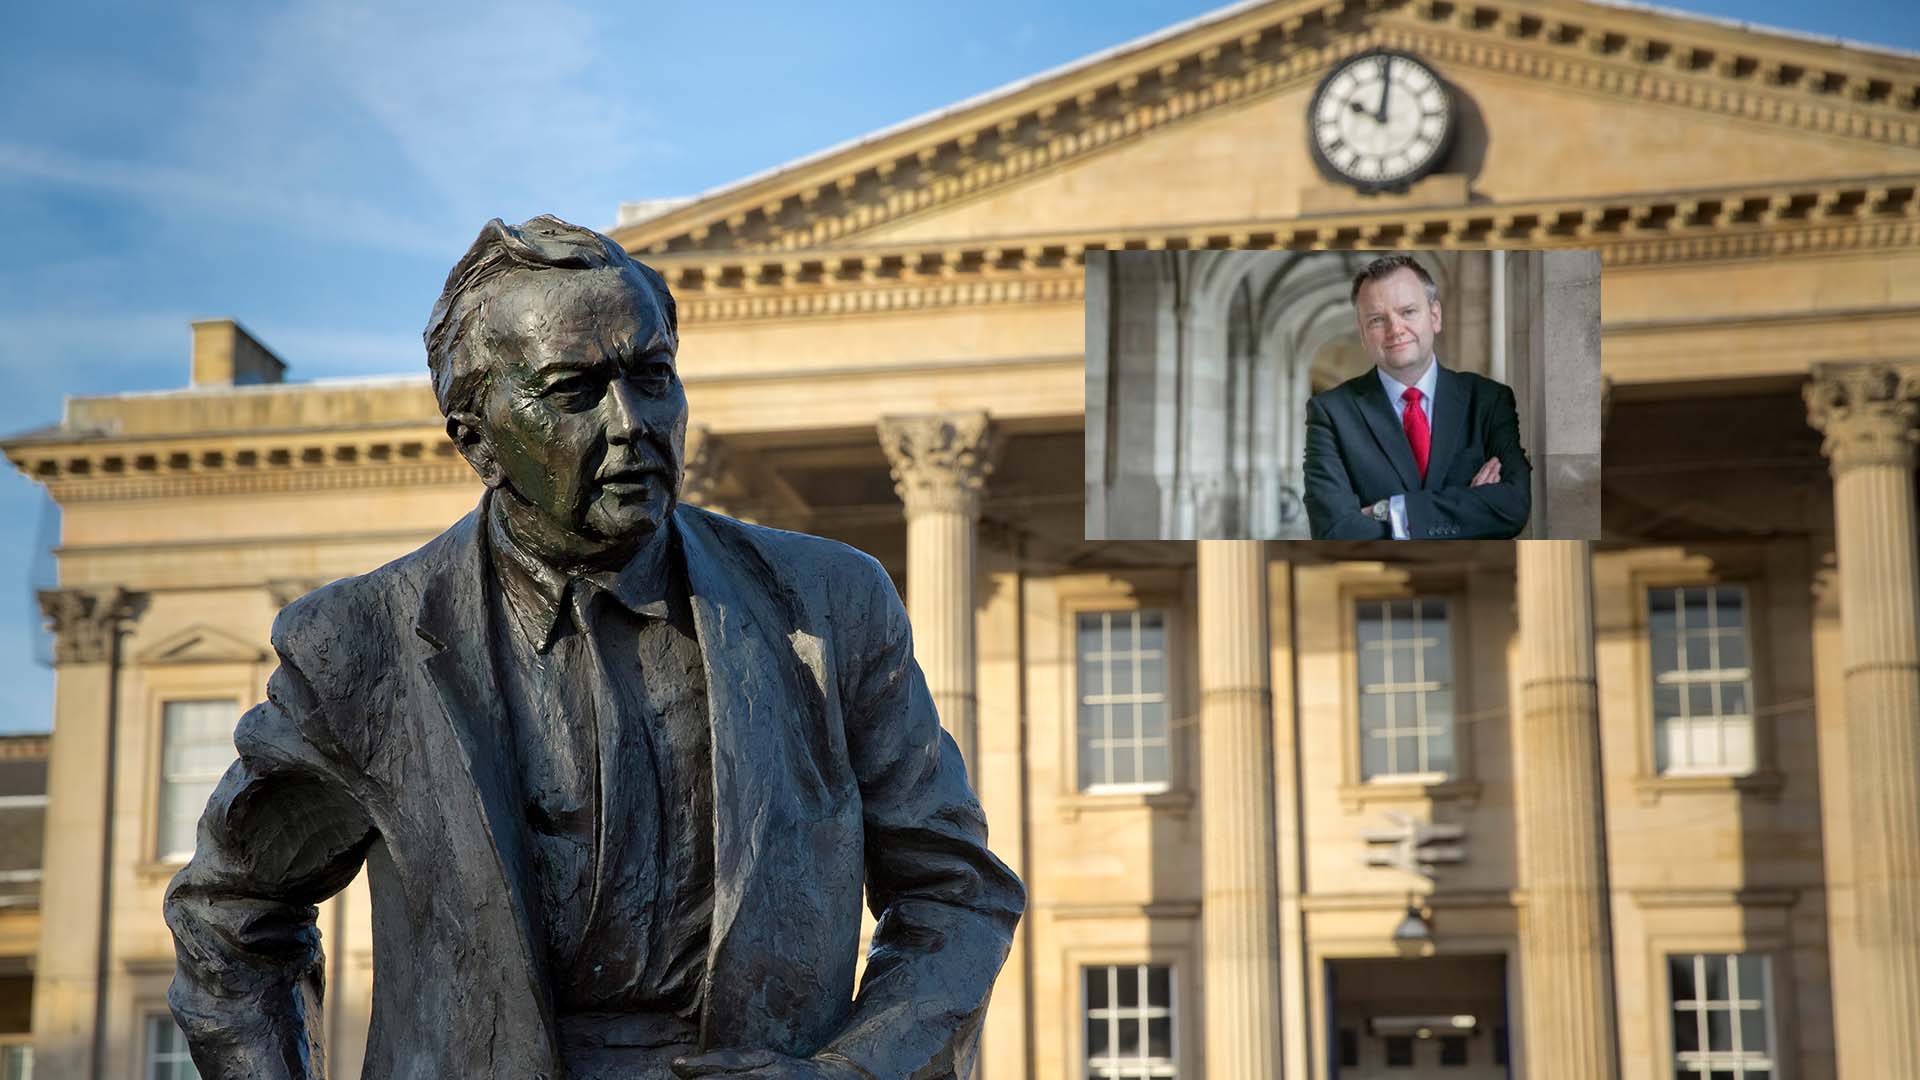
(583, 416)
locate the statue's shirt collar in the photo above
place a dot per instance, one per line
(542, 600)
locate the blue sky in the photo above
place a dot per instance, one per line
(312, 168)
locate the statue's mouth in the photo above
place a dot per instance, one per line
(631, 480)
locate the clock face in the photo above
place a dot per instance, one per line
(1381, 120)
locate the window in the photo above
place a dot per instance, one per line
(167, 1057)
(1453, 1050)
(1123, 738)
(1349, 1048)
(1129, 1011)
(16, 1062)
(1399, 1051)
(1722, 1027)
(1702, 684)
(195, 748)
(1406, 689)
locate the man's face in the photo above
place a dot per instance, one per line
(1398, 324)
(583, 410)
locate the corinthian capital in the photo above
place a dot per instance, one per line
(705, 465)
(1866, 412)
(940, 461)
(84, 621)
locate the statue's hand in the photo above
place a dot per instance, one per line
(762, 1065)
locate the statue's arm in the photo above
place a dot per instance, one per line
(279, 835)
(946, 906)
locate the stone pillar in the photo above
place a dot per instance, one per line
(71, 971)
(1239, 909)
(705, 476)
(1008, 1030)
(1566, 949)
(1867, 413)
(940, 465)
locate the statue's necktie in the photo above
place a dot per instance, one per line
(1418, 436)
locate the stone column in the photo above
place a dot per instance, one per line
(940, 464)
(706, 474)
(1867, 413)
(1008, 1030)
(1566, 949)
(70, 991)
(1239, 909)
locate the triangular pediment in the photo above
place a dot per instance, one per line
(1203, 123)
(201, 645)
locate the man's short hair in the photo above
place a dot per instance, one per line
(539, 244)
(1386, 265)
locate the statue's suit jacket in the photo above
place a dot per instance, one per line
(383, 739)
(1357, 454)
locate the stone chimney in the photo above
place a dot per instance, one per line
(224, 354)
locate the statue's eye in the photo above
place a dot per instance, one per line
(574, 392)
(653, 377)
(660, 373)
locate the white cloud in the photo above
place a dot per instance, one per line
(48, 353)
(393, 128)
(221, 191)
(310, 350)
(59, 333)
(101, 352)
(491, 107)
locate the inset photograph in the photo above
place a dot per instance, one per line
(1343, 395)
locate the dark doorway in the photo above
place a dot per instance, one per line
(1401, 1018)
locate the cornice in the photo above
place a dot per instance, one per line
(1714, 224)
(869, 300)
(25, 747)
(91, 468)
(1768, 85)
(1628, 54)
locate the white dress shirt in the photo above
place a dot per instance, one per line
(1397, 504)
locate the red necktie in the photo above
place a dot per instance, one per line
(1418, 437)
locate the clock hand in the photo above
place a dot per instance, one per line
(1386, 85)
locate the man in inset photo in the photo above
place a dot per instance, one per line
(1412, 450)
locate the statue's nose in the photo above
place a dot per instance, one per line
(629, 416)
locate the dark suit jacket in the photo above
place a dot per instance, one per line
(383, 740)
(1357, 454)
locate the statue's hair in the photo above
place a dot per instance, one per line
(1390, 264)
(539, 244)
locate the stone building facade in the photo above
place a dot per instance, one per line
(23, 808)
(1647, 806)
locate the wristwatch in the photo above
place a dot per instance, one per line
(1379, 511)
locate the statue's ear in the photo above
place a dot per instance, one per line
(470, 436)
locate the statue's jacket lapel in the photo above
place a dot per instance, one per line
(787, 828)
(469, 797)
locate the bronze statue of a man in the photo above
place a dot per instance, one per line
(618, 768)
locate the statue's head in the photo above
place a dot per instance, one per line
(552, 355)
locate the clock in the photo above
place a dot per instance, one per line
(1381, 120)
